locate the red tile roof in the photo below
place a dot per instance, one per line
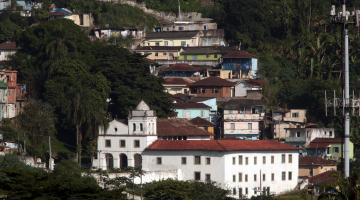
(220, 145)
(177, 81)
(322, 143)
(324, 178)
(198, 121)
(237, 54)
(257, 82)
(178, 127)
(190, 105)
(314, 160)
(213, 81)
(8, 46)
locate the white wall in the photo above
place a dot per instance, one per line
(5, 55)
(222, 168)
(171, 160)
(277, 186)
(115, 150)
(242, 127)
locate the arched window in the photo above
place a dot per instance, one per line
(141, 127)
(123, 161)
(134, 127)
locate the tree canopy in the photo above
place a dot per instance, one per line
(183, 190)
(76, 77)
(19, 181)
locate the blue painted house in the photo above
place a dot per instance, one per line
(191, 110)
(242, 63)
(211, 102)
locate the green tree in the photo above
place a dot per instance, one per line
(183, 190)
(79, 96)
(130, 81)
(37, 122)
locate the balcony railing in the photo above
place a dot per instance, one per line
(243, 116)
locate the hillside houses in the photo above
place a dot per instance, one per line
(167, 148)
(243, 118)
(213, 87)
(12, 94)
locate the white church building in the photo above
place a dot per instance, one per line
(245, 168)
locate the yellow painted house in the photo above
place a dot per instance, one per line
(160, 54)
(208, 55)
(173, 39)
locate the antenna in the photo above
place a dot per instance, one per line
(179, 14)
(344, 18)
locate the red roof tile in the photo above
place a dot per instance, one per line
(177, 81)
(324, 178)
(321, 143)
(190, 105)
(237, 54)
(257, 82)
(220, 145)
(314, 160)
(198, 121)
(178, 127)
(8, 46)
(214, 81)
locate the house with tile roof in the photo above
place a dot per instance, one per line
(202, 55)
(177, 85)
(319, 184)
(284, 119)
(182, 70)
(242, 63)
(160, 54)
(243, 118)
(181, 129)
(204, 124)
(213, 87)
(191, 110)
(329, 148)
(303, 136)
(172, 38)
(120, 144)
(7, 49)
(310, 166)
(246, 168)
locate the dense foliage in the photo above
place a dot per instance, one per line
(183, 190)
(76, 77)
(19, 181)
(299, 52)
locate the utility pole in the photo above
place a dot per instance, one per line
(51, 167)
(345, 18)
(180, 18)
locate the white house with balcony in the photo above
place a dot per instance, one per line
(244, 167)
(243, 118)
(303, 136)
